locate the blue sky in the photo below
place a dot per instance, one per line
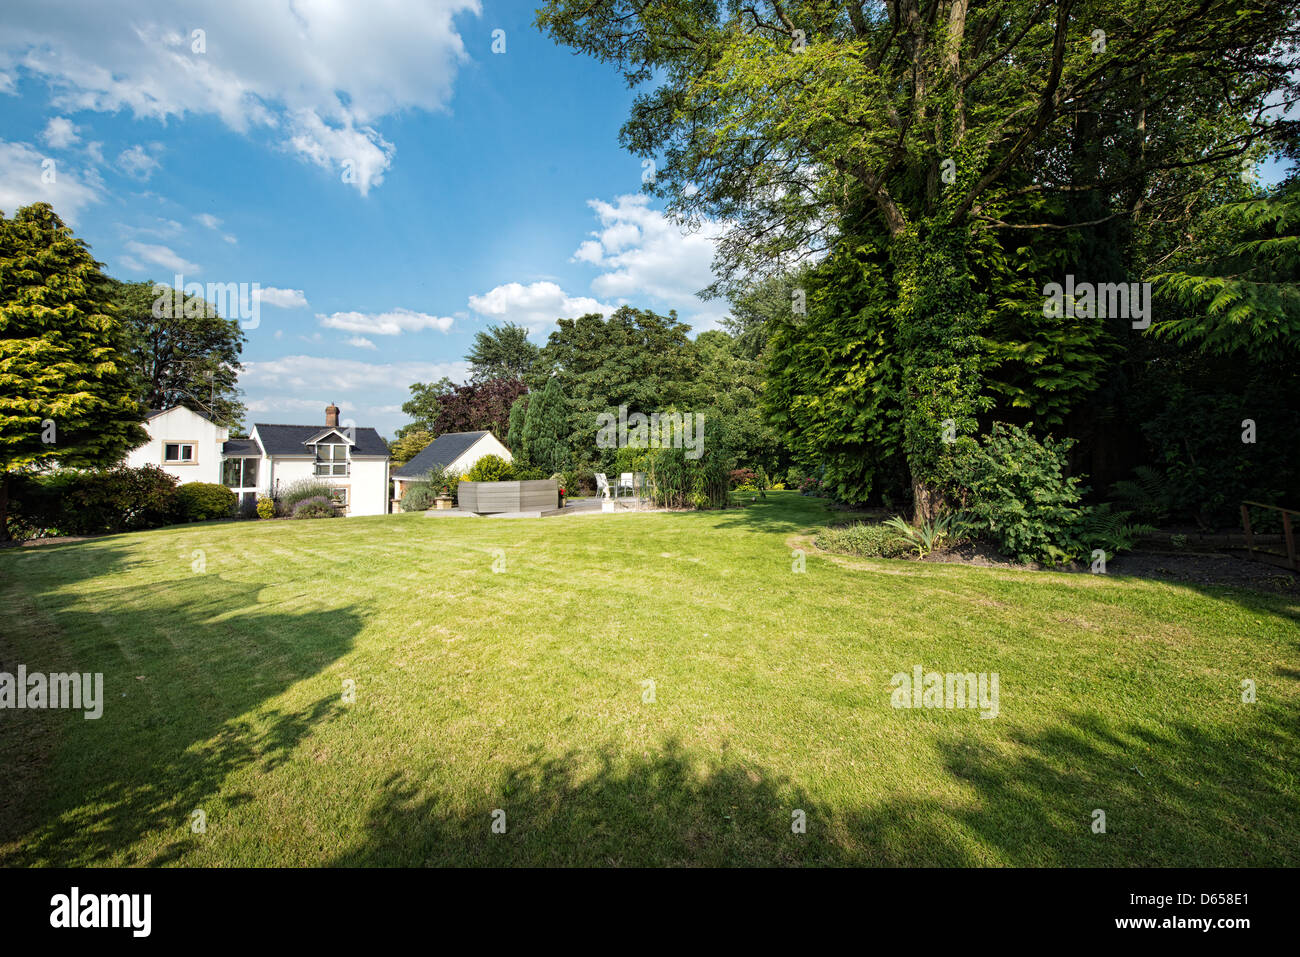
(390, 182)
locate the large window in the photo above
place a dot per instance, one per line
(179, 453)
(239, 473)
(331, 460)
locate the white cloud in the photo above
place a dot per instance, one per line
(643, 253)
(281, 298)
(345, 376)
(361, 342)
(536, 305)
(59, 133)
(391, 323)
(316, 74)
(96, 152)
(27, 177)
(157, 255)
(136, 162)
(362, 155)
(214, 224)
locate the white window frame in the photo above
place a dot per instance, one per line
(181, 445)
(334, 462)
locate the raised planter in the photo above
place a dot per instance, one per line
(486, 498)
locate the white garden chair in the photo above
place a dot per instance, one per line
(625, 481)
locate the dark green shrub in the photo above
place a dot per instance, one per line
(418, 498)
(205, 501)
(70, 502)
(319, 506)
(1015, 493)
(491, 468)
(866, 540)
(530, 475)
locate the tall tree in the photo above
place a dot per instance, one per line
(478, 406)
(635, 358)
(181, 350)
(66, 391)
(423, 406)
(941, 134)
(515, 440)
(501, 352)
(546, 429)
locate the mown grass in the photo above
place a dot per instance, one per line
(522, 691)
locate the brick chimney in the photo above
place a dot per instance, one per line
(331, 416)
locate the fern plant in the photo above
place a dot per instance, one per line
(1146, 496)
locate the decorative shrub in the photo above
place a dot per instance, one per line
(205, 501)
(318, 506)
(747, 477)
(265, 507)
(530, 475)
(491, 468)
(1015, 492)
(299, 491)
(866, 540)
(580, 481)
(679, 482)
(442, 480)
(72, 502)
(419, 498)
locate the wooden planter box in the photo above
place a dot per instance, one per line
(487, 497)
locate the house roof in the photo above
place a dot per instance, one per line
(439, 453)
(291, 439)
(154, 413)
(240, 447)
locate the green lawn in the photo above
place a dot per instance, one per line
(523, 691)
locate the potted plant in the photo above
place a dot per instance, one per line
(561, 496)
(444, 497)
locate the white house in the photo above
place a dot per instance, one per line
(454, 451)
(352, 461)
(183, 443)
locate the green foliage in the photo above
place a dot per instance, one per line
(491, 468)
(265, 507)
(66, 393)
(868, 540)
(424, 406)
(180, 350)
(635, 358)
(409, 445)
(546, 428)
(501, 352)
(929, 533)
(515, 441)
(318, 506)
(678, 481)
(443, 481)
(1244, 299)
(1016, 493)
(93, 502)
(1108, 529)
(205, 501)
(1146, 496)
(419, 498)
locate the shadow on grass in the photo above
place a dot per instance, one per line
(1173, 796)
(187, 664)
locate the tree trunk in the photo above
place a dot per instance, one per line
(927, 501)
(4, 507)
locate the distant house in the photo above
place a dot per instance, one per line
(453, 451)
(352, 461)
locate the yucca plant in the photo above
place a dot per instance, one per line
(930, 534)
